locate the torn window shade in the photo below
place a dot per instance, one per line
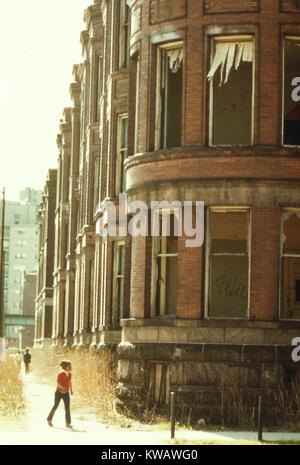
(175, 59)
(227, 55)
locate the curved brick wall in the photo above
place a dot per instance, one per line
(193, 164)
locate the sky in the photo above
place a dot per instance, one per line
(39, 43)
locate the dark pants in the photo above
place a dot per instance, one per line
(66, 398)
(27, 368)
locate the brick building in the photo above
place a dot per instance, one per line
(183, 100)
(44, 282)
(27, 307)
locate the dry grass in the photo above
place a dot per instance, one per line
(237, 407)
(11, 389)
(288, 401)
(94, 381)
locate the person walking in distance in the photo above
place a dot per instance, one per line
(63, 391)
(27, 361)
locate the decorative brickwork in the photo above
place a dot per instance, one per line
(166, 10)
(231, 6)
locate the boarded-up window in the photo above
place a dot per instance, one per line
(229, 264)
(291, 108)
(122, 152)
(166, 252)
(290, 266)
(158, 391)
(231, 91)
(168, 123)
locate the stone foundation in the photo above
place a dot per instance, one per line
(209, 378)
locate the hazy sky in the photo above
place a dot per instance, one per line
(39, 43)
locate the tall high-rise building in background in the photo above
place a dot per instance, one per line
(20, 249)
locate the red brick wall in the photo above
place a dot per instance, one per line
(140, 278)
(190, 288)
(265, 263)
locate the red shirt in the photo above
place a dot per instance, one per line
(64, 382)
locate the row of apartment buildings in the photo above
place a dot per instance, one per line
(180, 100)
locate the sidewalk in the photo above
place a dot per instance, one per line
(89, 431)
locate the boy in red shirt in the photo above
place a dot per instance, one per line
(63, 391)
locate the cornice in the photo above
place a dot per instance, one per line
(75, 91)
(84, 38)
(93, 15)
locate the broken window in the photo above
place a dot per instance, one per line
(228, 264)
(166, 253)
(122, 151)
(118, 284)
(290, 266)
(231, 78)
(124, 35)
(291, 109)
(168, 123)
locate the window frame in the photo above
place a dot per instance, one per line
(118, 282)
(158, 127)
(158, 312)
(137, 103)
(98, 86)
(208, 247)
(124, 36)
(230, 38)
(121, 154)
(281, 256)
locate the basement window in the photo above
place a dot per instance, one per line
(291, 127)
(124, 35)
(290, 266)
(122, 153)
(168, 124)
(231, 78)
(228, 286)
(118, 283)
(166, 253)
